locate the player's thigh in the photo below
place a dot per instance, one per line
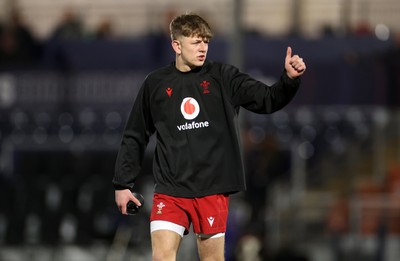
(165, 245)
(211, 249)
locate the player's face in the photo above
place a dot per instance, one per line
(192, 52)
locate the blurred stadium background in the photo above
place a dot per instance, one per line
(323, 174)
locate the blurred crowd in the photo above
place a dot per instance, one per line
(20, 47)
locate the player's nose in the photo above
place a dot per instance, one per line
(203, 46)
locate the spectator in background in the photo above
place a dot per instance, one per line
(265, 162)
(391, 60)
(337, 223)
(18, 47)
(104, 30)
(362, 29)
(70, 27)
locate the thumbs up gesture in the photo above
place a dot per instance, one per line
(294, 65)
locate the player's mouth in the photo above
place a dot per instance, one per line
(201, 58)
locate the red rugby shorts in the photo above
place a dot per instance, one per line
(208, 215)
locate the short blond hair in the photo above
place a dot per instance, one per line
(190, 24)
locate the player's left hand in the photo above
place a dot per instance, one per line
(294, 65)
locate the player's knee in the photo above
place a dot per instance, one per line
(163, 256)
(213, 258)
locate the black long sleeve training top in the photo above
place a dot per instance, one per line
(194, 115)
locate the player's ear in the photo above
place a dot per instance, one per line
(176, 45)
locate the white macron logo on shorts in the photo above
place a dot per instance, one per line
(211, 220)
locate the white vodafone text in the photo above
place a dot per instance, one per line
(193, 125)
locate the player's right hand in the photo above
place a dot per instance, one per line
(122, 197)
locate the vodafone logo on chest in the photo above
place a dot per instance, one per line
(190, 109)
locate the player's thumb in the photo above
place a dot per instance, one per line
(288, 53)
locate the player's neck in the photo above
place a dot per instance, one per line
(182, 67)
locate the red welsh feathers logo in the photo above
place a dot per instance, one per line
(205, 86)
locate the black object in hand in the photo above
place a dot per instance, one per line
(131, 207)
